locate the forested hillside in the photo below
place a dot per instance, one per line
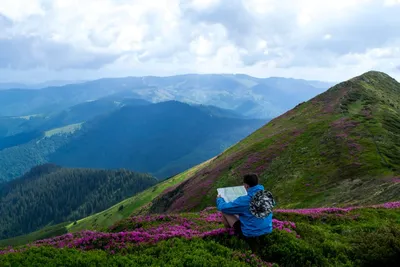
(28, 141)
(16, 160)
(49, 194)
(162, 139)
(115, 132)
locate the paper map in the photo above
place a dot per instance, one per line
(232, 193)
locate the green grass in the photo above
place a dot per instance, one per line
(69, 129)
(175, 252)
(49, 231)
(112, 215)
(28, 117)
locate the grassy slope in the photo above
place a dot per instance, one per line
(340, 148)
(110, 216)
(368, 236)
(69, 129)
(49, 231)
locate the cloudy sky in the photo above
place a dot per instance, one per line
(85, 39)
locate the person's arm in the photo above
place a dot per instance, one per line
(237, 206)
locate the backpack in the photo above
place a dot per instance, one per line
(262, 203)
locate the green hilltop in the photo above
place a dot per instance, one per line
(340, 148)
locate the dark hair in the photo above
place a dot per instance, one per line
(251, 179)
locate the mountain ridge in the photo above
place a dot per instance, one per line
(162, 138)
(311, 154)
(151, 134)
(224, 91)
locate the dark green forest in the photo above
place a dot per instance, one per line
(49, 194)
(17, 160)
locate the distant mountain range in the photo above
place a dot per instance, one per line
(250, 96)
(6, 86)
(163, 139)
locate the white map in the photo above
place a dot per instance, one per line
(232, 193)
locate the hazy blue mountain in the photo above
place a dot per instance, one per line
(14, 125)
(269, 96)
(15, 85)
(162, 139)
(10, 126)
(4, 86)
(88, 110)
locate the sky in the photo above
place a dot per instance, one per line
(42, 40)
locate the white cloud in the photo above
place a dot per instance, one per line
(204, 4)
(307, 38)
(392, 2)
(304, 18)
(201, 46)
(18, 10)
(260, 7)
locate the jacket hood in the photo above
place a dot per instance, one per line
(252, 190)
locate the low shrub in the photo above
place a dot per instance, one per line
(173, 252)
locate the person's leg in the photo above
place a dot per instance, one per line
(254, 244)
(229, 220)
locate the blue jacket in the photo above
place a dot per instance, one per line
(251, 225)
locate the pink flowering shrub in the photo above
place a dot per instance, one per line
(317, 211)
(150, 229)
(284, 226)
(318, 236)
(396, 180)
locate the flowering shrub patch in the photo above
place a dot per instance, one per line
(154, 229)
(396, 180)
(326, 237)
(316, 211)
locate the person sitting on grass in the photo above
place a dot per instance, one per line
(250, 215)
